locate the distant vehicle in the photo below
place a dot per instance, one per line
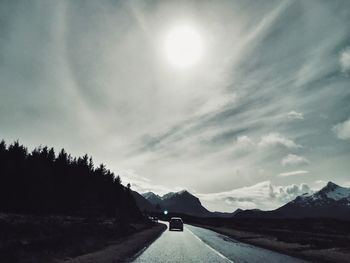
(153, 219)
(176, 223)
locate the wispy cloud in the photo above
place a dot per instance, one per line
(294, 115)
(344, 59)
(293, 159)
(293, 173)
(141, 184)
(342, 130)
(276, 139)
(264, 195)
(244, 144)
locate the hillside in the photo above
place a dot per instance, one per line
(332, 201)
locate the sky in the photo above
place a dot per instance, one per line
(261, 116)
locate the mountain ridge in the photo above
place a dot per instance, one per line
(331, 197)
(332, 201)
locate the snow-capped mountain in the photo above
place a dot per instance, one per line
(330, 194)
(331, 201)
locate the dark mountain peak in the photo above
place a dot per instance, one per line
(184, 202)
(185, 193)
(238, 210)
(142, 202)
(150, 195)
(173, 194)
(330, 186)
(168, 195)
(152, 198)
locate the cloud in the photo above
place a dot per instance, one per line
(344, 59)
(292, 159)
(245, 141)
(299, 172)
(342, 130)
(244, 144)
(138, 113)
(276, 139)
(321, 183)
(293, 115)
(263, 195)
(142, 184)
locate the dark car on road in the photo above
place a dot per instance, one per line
(176, 223)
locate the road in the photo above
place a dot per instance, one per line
(197, 244)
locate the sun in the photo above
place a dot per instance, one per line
(183, 46)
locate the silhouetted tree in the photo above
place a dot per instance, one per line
(40, 182)
(118, 180)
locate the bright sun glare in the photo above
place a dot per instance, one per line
(183, 46)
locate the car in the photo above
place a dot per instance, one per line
(176, 223)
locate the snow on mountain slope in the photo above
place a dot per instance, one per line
(329, 194)
(332, 201)
(338, 192)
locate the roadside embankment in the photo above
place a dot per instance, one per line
(47, 239)
(302, 249)
(124, 249)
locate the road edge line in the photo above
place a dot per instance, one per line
(211, 248)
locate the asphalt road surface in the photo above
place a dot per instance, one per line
(197, 244)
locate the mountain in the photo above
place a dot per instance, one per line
(331, 201)
(178, 202)
(142, 203)
(169, 195)
(184, 202)
(226, 214)
(152, 198)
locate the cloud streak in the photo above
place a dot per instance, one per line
(293, 173)
(276, 139)
(294, 115)
(292, 159)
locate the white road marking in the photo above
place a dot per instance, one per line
(214, 250)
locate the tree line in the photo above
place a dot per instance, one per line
(41, 182)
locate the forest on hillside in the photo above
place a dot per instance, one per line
(43, 182)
